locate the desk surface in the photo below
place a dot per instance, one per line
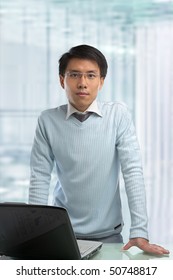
(113, 252)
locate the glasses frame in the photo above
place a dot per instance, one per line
(75, 75)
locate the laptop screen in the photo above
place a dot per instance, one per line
(36, 232)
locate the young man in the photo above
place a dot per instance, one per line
(89, 141)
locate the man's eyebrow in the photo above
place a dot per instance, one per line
(89, 71)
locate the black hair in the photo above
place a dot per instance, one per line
(83, 52)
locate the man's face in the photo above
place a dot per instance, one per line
(81, 82)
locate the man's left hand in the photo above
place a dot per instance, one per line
(144, 245)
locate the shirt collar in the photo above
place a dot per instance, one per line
(92, 108)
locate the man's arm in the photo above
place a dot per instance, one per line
(131, 166)
(41, 164)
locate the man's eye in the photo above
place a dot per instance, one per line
(91, 76)
(73, 75)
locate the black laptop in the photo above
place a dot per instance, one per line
(40, 232)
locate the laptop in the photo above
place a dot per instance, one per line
(40, 232)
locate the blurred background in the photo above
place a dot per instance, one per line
(137, 39)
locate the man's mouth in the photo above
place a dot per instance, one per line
(81, 93)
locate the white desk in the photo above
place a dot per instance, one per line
(113, 252)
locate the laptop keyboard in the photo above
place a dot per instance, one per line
(83, 247)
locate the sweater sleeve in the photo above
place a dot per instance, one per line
(131, 166)
(41, 165)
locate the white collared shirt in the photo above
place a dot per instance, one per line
(92, 108)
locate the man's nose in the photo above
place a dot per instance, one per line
(82, 82)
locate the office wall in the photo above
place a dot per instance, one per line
(137, 41)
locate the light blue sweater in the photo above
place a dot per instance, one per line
(88, 157)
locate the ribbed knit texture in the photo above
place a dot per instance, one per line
(88, 156)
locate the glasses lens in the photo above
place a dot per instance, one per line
(78, 75)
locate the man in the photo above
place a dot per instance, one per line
(89, 141)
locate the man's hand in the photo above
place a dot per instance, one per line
(144, 245)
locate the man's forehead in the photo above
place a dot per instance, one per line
(76, 64)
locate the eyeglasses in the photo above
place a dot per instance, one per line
(78, 75)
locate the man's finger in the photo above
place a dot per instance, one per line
(127, 246)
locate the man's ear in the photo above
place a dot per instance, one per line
(101, 83)
(61, 79)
